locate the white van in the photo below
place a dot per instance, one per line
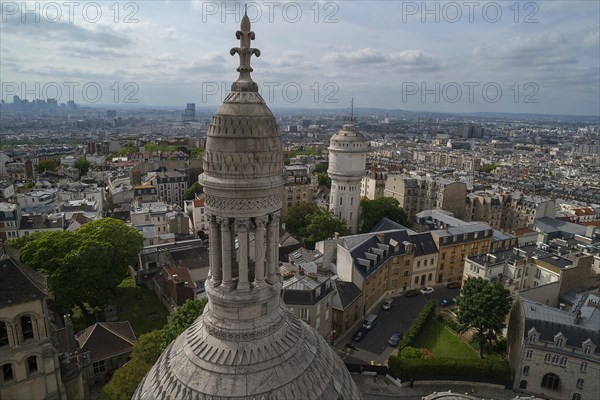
(370, 321)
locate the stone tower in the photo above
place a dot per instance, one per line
(347, 163)
(246, 345)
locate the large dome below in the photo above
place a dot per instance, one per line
(293, 362)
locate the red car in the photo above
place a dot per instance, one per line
(454, 285)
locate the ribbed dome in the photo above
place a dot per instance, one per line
(246, 345)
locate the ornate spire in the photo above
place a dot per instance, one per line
(245, 35)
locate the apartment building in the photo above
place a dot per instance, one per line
(372, 185)
(419, 192)
(308, 293)
(298, 188)
(456, 244)
(170, 185)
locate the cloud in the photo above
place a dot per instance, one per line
(407, 59)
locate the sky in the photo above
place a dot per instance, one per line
(436, 56)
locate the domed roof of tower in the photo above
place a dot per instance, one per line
(348, 133)
(246, 344)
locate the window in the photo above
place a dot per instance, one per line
(563, 361)
(98, 367)
(7, 373)
(405, 273)
(559, 342)
(576, 396)
(551, 381)
(523, 385)
(588, 350)
(32, 366)
(526, 370)
(304, 313)
(27, 327)
(583, 367)
(3, 334)
(529, 354)
(416, 280)
(547, 357)
(555, 359)
(579, 383)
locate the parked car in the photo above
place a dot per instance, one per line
(387, 304)
(427, 290)
(411, 293)
(454, 285)
(360, 334)
(370, 321)
(447, 302)
(395, 339)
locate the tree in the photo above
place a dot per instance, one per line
(48, 165)
(191, 192)
(148, 347)
(181, 319)
(86, 265)
(487, 168)
(322, 225)
(297, 217)
(125, 380)
(324, 179)
(372, 211)
(483, 306)
(321, 168)
(82, 165)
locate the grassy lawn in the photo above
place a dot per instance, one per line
(136, 304)
(140, 306)
(442, 342)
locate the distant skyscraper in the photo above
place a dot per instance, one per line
(347, 166)
(246, 345)
(189, 114)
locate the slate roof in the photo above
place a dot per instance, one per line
(376, 248)
(387, 224)
(423, 244)
(547, 225)
(19, 283)
(346, 293)
(106, 339)
(549, 321)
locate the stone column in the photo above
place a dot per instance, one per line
(216, 269)
(226, 235)
(259, 251)
(242, 233)
(273, 248)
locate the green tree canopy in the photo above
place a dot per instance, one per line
(321, 168)
(323, 225)
(309, 223)
(191, 192)
(483, 306)
(82, 165)
(83, 266)
(372, 211)
(487, 168)
(297, 217)
(324, 179)
(181, 319)
(48, 165)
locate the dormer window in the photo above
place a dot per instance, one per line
(533, 335)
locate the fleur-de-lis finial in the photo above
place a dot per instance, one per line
(245, 35)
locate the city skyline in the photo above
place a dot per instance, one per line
(445, 57)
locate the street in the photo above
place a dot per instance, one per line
(374, 347)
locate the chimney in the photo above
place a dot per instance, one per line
(577, 316)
